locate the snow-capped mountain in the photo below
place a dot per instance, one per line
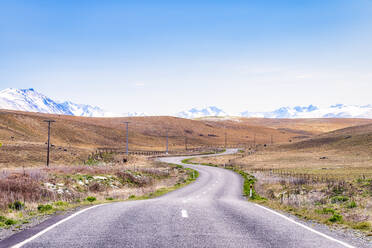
(32, 101)
(196, 113)
(334, 111)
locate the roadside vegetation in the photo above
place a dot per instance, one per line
(327, 179)
(33, 193)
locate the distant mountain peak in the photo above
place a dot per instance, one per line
(33, 101)
(311, 111)
(202, 112)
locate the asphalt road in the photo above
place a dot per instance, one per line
(210, 212)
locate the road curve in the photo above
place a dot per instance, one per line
(211, 212)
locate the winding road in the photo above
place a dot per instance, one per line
(211, 212)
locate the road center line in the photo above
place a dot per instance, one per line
(306, 227)
(184, 213)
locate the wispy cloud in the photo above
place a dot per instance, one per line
(139, 85)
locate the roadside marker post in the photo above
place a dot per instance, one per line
(251, 191)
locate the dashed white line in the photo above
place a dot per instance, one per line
(184, 213)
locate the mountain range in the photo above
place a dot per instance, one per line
(33, 101)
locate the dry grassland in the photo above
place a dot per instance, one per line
(327, 178)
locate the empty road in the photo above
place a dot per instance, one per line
(210, 212)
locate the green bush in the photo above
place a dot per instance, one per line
(2, 219)
(60, 203)
(17, 205)
(109, 198)
(132, 196)
(10, 222)
(335, 218)
(91, 198)
(44, 208)
(351, 205)
(339, 198)
(338, 190)
(326, 211)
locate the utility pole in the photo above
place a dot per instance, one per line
(166, 152)
(127, 139)
(48, 149)
(225, 139)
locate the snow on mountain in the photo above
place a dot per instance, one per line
(196, 113)
(334, 111)
(83, 109)
(32, 101)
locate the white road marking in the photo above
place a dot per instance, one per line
(184, 213)
(52, 226)
(307, 228)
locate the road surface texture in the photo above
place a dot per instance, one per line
(211, 212)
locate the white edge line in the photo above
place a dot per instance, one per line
(52, 226)
(306, 227)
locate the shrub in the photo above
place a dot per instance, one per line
(2, 219)
(10, 222)
(132, 196)
(61, 203)
(17, 205)
(138, 180)
(91, 198)
(338, 190)
(95, 187)
(44, 208)
(326, 211)
(22, 187)
(362, 226)
(339, 198)
(351, 205)
(335, 218)
(109, 198)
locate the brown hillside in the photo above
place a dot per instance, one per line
(24, 134)
(309, 126)
(356, 139)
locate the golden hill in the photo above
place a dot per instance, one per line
(24, 134)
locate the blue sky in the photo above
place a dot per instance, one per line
(162, 57)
